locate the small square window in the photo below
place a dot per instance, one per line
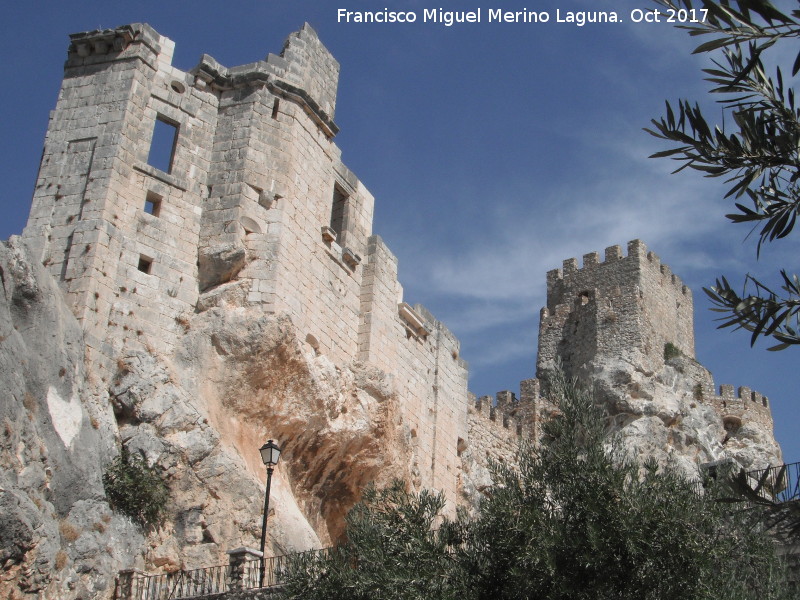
(145, 264)
(152, 204)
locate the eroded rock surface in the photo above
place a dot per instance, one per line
(239, 376)
(58, 536)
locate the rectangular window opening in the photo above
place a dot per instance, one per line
(162, 148)
(152, 204)
(338, 210)
(145, 264)
(275, 107)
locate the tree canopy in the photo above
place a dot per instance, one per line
(575, 519)
(757, 149)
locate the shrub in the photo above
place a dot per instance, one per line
(135, 489)
(671, 351)
(578, 519)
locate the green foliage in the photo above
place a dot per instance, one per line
(577, 520)
(580, 520)
(758, 152)
(671, 351)
(135, 489)
(392, 551)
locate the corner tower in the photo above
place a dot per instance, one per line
(163, 194)
(626, 307)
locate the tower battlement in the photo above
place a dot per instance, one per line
(496, 425)
(165, 193)
(570, 275)
(737, 406)
(626, 306)
(516, 416)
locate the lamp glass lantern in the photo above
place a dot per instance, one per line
(270, 454)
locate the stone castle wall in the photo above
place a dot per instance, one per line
(498, 425)
(626, 306)
(252, 207)
(735, 406)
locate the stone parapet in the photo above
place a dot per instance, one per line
(630, 305)
(738, 406)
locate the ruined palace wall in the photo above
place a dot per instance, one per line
(255, 208)
(626, 306)
(429, 376)
(318, 279)
(272, 188)
(250, 185)
(95, 234)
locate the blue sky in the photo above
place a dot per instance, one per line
(494, 152)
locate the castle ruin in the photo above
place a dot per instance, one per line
(163, 194)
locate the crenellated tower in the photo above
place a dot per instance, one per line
(625, 326)
(626, 306)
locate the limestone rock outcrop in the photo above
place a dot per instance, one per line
(672, 416)
(239, 376)
(58, 536)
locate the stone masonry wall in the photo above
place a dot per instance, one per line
(497, 426)
(255, 208)
(87, 218)
(626, 306)
(430, 377)
(735, 406)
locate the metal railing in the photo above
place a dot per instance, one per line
(180, 584)
(779, 484)
(272, 569)
(241, 574)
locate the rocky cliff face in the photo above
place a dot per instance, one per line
(673, 416)
(238, 377)
(58, 536)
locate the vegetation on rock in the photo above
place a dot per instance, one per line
(576, 520)
(671, 351)
(136, 489)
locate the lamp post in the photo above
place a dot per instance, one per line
(270, 454)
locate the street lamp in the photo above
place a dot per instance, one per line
(270, 454)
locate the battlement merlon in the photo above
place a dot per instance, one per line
(518, 415)
(559, 280)
(305, 71)
(744, 394)
(740, 407)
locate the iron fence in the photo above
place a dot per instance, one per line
(180, 584)
(778, 484)
(196, 583)
(267, 572)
